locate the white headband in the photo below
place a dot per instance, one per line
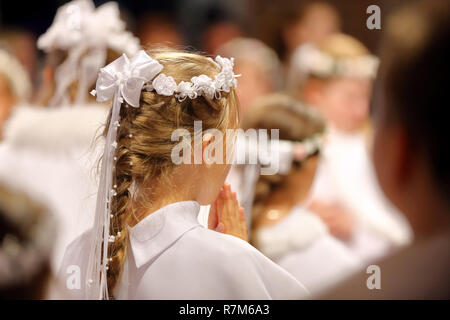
(122, 81)
(79, 28)
(308, 60)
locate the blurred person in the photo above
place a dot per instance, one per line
(81, 40)
(336, 78)
(22, 44)
(15, 86)
(48, 148)
(146, 242)
(207, 25)
(282, 229)
(219, 33)
(410, 156)
(309, 22)
(27, 232)
(158, 29)
(259, 67)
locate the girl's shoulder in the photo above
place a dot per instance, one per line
(240, 262)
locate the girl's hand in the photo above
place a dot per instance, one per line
(340, 223)
(226, 216)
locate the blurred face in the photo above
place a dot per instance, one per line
(218, 34)
(6, 101)
(319, 22)
(253, 83)
(345, 103)
(158, 30)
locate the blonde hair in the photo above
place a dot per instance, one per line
(295, 121)
(341, 46)
(144, 142)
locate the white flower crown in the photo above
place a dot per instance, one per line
(309, 60)
(130, 77)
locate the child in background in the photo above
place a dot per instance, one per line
(411, 154)
(308, 22)
(282, 228)
(260, 69)
(336, 78)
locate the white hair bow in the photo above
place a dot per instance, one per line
(85, 32)
(126, 78)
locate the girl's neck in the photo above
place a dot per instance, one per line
(144, 210)
(162, 194)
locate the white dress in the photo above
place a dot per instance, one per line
(171, 256)
(301, 244)
(345, 175)
(50, 153)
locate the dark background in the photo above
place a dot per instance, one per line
(260, 18)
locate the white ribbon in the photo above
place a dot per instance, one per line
(85, 32)
(120, 79)
(126, 77)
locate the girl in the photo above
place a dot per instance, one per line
(336, 78)
(147, 242)
(283, 229)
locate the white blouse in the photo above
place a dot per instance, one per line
(171, 256)
(51, 154)
(301, 244)
(345, 175)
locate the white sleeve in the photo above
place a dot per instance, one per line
(258, 277)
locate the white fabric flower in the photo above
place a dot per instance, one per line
(184, 90)
(164, 85)
(204, 86)
(226, 78)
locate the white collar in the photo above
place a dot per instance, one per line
(156, 232)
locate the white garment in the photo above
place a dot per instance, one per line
(50, 154)
(171, 256)
(301, 244)
(345, 175)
